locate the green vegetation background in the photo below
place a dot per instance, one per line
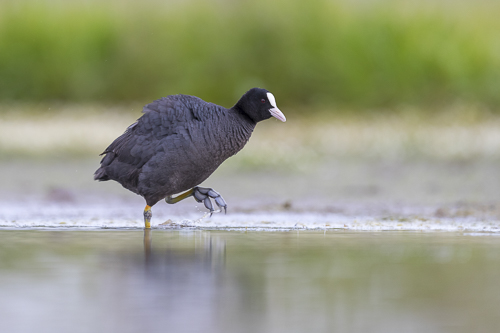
(322, 53)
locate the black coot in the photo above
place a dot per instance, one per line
(179, 142)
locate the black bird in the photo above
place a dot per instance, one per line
(179, 142)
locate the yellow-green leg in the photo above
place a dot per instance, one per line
(147, 217)
(201, 194)
(180, 197)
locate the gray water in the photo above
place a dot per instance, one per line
(59, 280)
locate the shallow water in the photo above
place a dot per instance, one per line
(45, 215)
(60, 280)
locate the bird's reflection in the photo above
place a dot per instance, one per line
(193, 250)
(179, 276)
(148, 241)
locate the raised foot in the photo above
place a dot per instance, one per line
(203, 194)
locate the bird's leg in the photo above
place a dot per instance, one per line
(187, 194)
(147, 217)
(201, 194)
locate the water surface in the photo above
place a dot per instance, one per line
(72, 280)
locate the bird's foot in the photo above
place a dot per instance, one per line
(203, 194)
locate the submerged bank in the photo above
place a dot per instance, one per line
(348, 194)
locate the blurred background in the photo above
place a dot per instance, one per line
(375, 91)
(325, 54)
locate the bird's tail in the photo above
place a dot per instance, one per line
(101, 174)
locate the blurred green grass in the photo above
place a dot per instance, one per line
(323, 54)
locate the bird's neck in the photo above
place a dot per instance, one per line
(242, 120)
(239, 128)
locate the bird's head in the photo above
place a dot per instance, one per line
(259, 104)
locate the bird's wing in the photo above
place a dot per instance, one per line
(162, 118)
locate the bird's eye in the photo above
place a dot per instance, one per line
(262, 100)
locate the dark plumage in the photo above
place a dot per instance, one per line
(179, 142)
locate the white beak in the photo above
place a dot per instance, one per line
(276, 113)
